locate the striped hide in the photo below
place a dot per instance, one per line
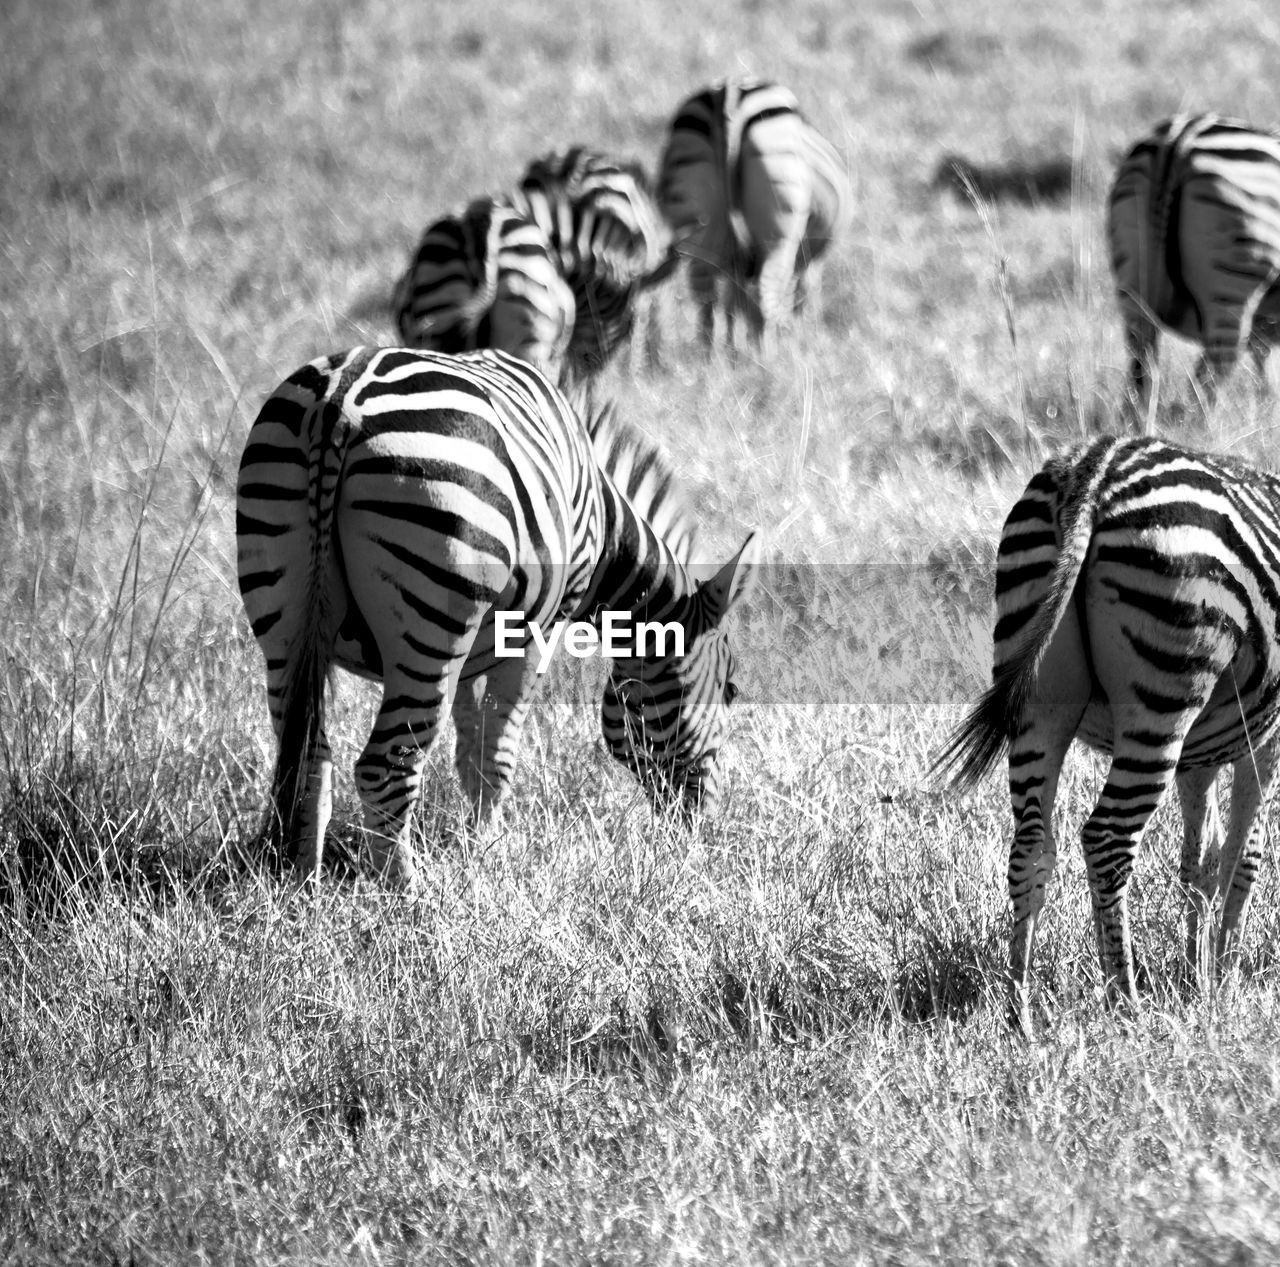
(1138, 609)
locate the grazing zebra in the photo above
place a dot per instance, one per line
(611, 241)
(1193, 222)
(1138, 608)
(758, 193)
(484, 277)
(389, 502)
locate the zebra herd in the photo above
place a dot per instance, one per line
(391, 500)
(749, 192)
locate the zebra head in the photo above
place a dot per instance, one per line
(666, 716)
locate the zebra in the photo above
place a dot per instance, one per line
(1138, 609)
(389, 502)
(758, 192)
(1193, 224)
(612, 244)
(484, 276)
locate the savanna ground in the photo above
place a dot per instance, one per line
(597, 1038)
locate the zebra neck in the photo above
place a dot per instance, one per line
(636, 571)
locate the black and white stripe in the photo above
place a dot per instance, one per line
(1193, 222)
(1138, 609)
(485, 277)
(756, 194)
(389, 502)
(604, 227)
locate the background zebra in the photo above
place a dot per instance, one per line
(1138, 601)
(1193, 222)
(484, 277)
(388, 502)
(612, 244)
(759, 194)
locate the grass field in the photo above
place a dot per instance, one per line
(597, 1037)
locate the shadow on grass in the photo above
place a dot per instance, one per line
(955, 52)
(982, 442)
(949, 978)
(76, 833)
(942, 976)
(1028, 181)
(375, 306)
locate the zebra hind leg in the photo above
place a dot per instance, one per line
(1036, 753)
(1035, 765)
(389, 770)
(1260, 341)
(490, 714)
(1142, 341)
(1252, 786)
(775, 295)
(1225, 337)
(1198, 872)
(1144, 762)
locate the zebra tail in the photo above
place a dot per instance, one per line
(304, 698)
(975, 745)
(303, 719)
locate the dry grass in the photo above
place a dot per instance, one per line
(779, 1039)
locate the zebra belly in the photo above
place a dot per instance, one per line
(1216, 738)
(1229, 728)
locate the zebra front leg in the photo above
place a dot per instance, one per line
(490, 714)
(1198, 872)
(389, 770)
(1254, 781)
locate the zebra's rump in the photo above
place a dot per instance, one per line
(1194, 220)
(744, 171)
(485, 277)
(465, 481)
(607, 235)
(1178, 589)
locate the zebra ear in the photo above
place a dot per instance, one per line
(732, 583)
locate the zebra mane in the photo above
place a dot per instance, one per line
(644, 475)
